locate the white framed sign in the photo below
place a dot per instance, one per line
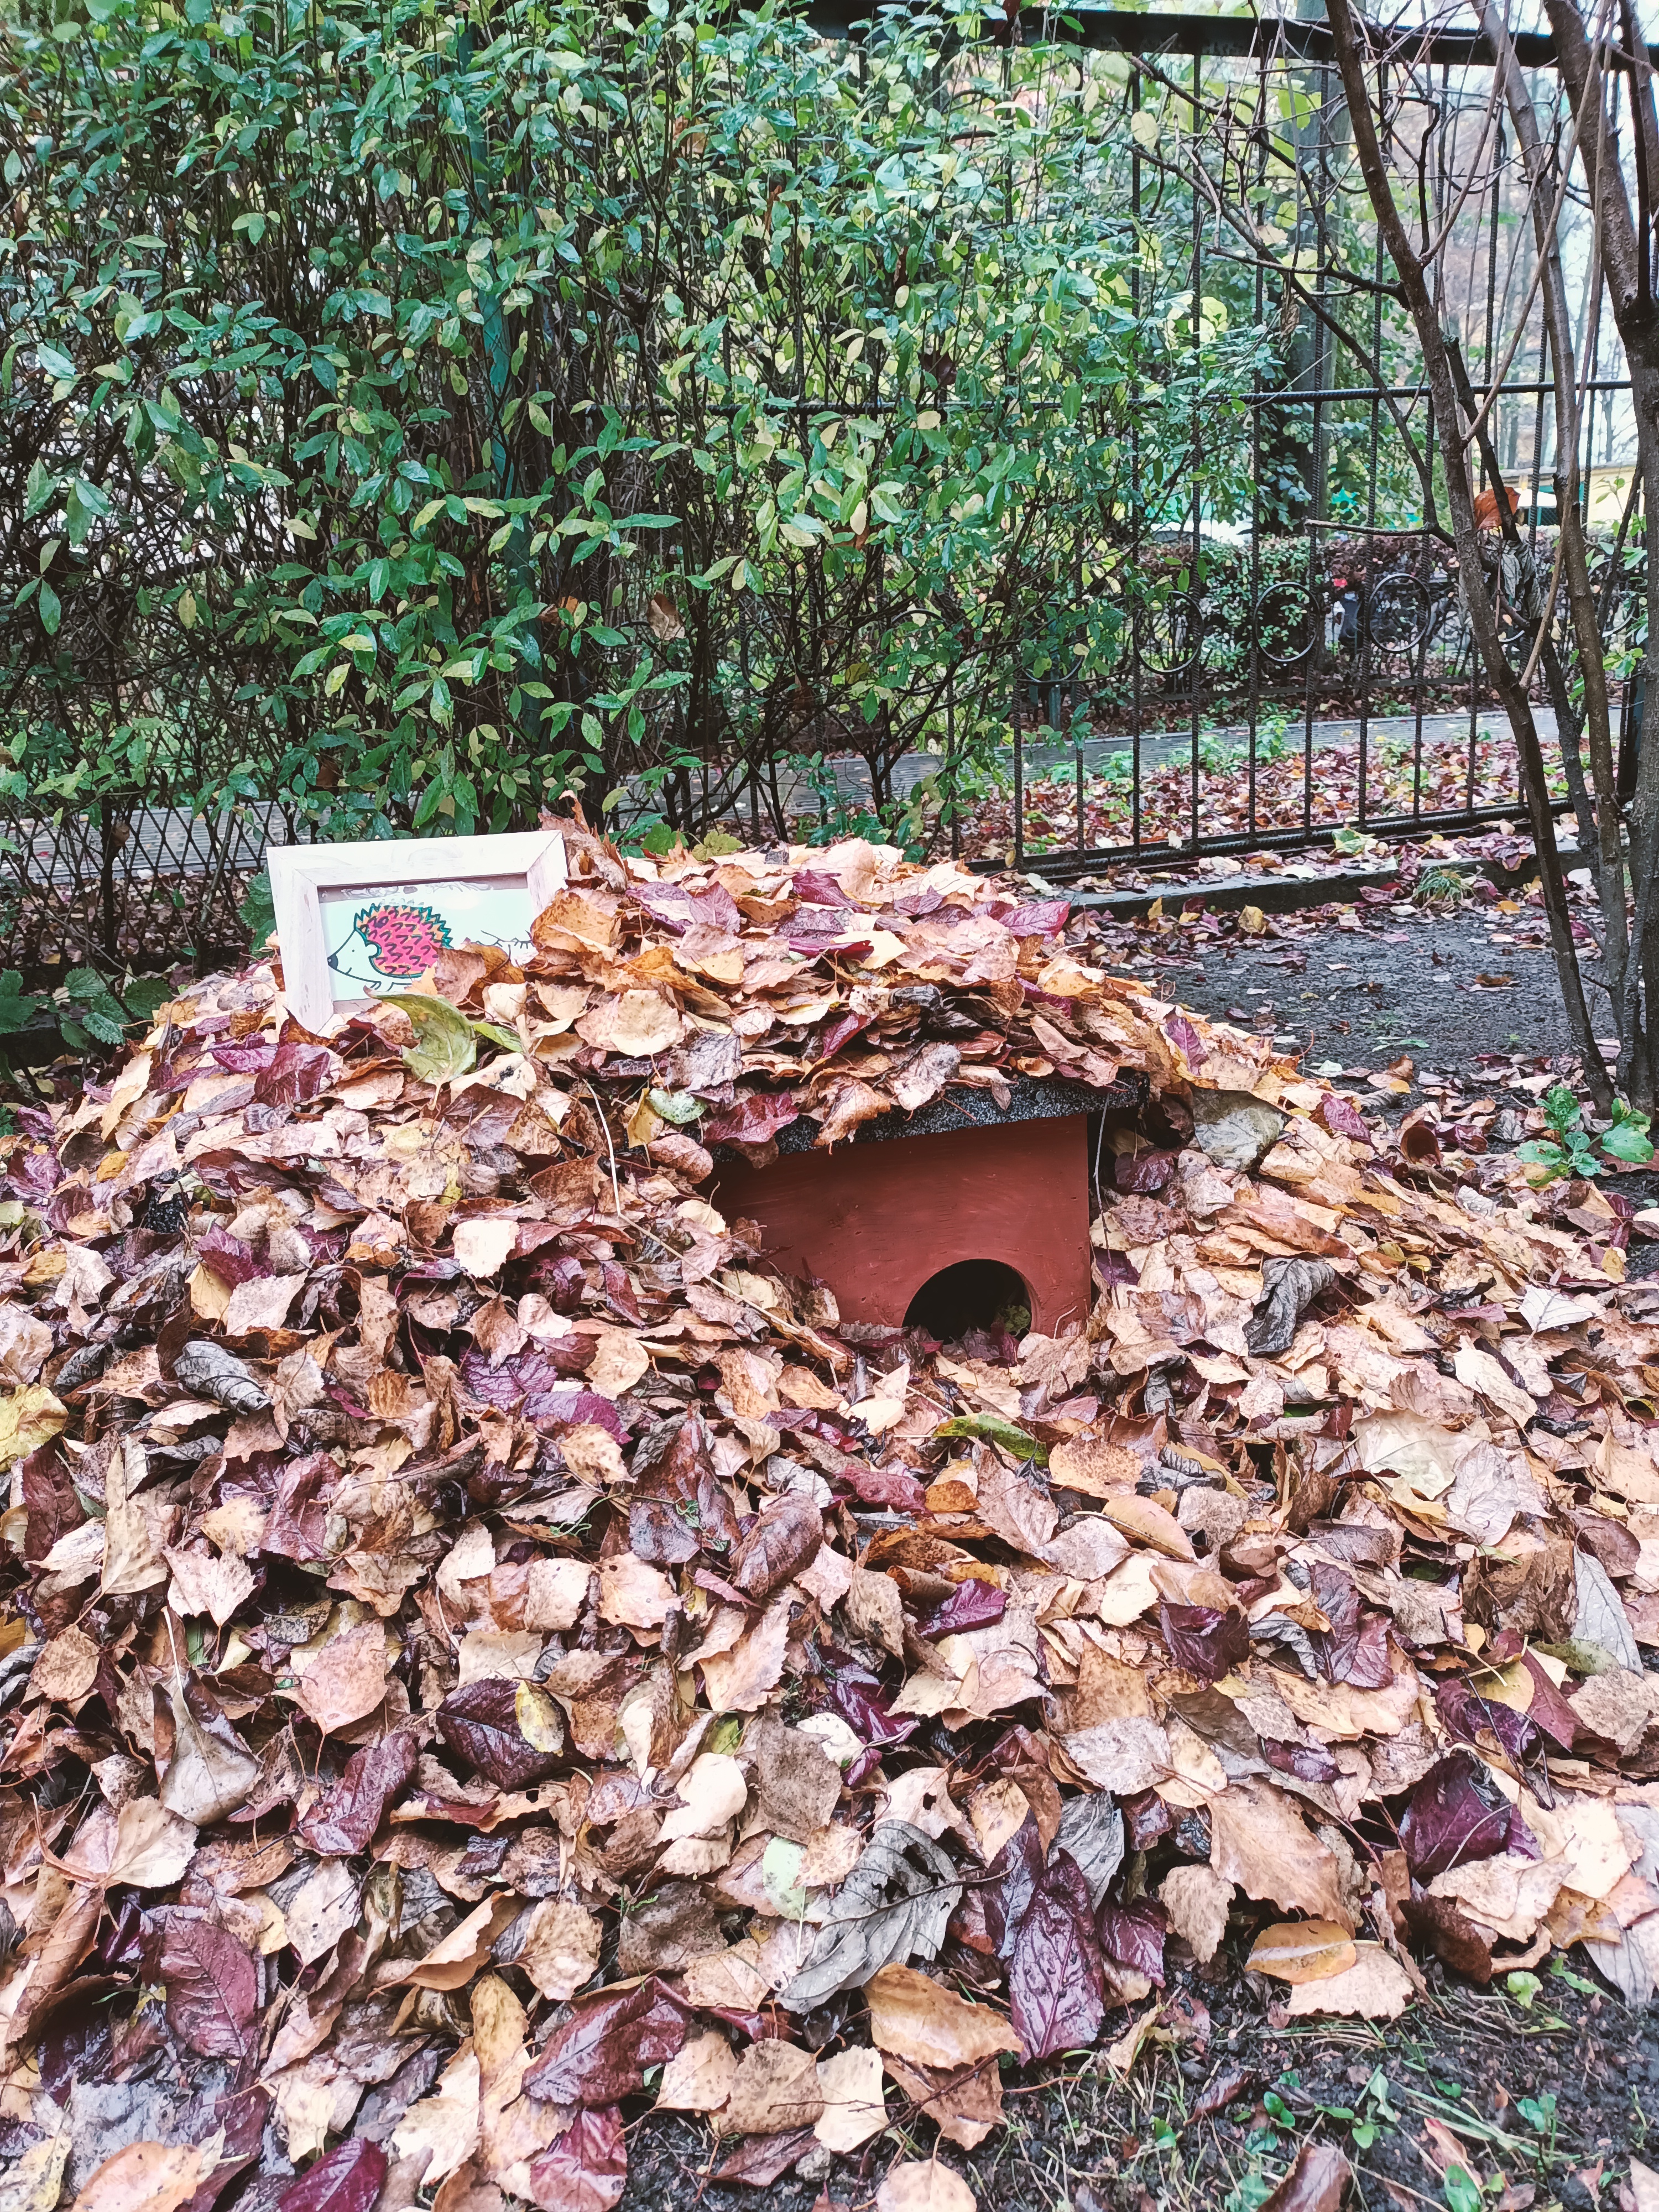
(355, 921)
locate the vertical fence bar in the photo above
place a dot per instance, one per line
(1254, 706)
(1137, 565)
(106, 876)
(1020, 758)
(952, 797)
(1196, 594)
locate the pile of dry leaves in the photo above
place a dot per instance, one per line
(482, 1654)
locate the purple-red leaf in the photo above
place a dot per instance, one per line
(1308, 1762)
(344, 1818)
(295, 1071)
(296, 1526)
(1146, 1817)
(1182, 1034)
(242, 2115)
(1015, 1873)
(348, 2179)
(1466, 1714)
(1041, 918)
(889, 1489)
(1204, 1642)
(777, 1545)
(971, 1604)
(1356, 1647)
(586, 2169)
(750, 1121)
(758, 2162)
(1340, 1117)
(1132, 1936)
(211, 1981)
(1014, 1877)
(860, 1704)
(480, 1724)
(535, 1384)
(602, 2052)
(1549, 1710)
(678, 1504)
(1056, 1990)
(1146, 1172)
(817, 887)
(229, 1259)
(1455, 1814)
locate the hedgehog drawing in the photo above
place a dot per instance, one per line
(403, 941)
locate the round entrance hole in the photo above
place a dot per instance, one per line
(975, 1294)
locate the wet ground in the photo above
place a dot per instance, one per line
(1541, 2097)
(1441, 990)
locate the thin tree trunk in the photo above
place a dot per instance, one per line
(1623, 250)
(1460, 499)
(1575, 556)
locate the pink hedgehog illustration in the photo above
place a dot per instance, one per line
(403, 941)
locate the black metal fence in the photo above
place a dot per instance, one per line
(1286, 683)
(1265, 642)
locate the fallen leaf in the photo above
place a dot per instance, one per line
(1198, 1901)
(347, 1678)
(347, 2178)
(1299, 1951)
(603, 2051)
(850, 2083)
(1259, 1842)
(585, 2170)
(560, 1947)
(920, 2186)
(921, 2020)
(145, 2176)
(1055, 1982)
(698, 2078)
(893, 1906)
(437, 2136)
(775, 2092)
(1319, 2177)
(1377, 1987)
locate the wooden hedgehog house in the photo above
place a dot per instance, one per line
(953, 1218)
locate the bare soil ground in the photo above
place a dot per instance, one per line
(1545, 2103)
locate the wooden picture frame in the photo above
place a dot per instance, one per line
(373, 914)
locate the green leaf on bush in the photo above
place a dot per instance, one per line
(18, 1007)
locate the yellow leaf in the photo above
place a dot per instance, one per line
(29, 1417)
(643, 1124)
(1303, 1951)
(1253, 921)
(537, 1717)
